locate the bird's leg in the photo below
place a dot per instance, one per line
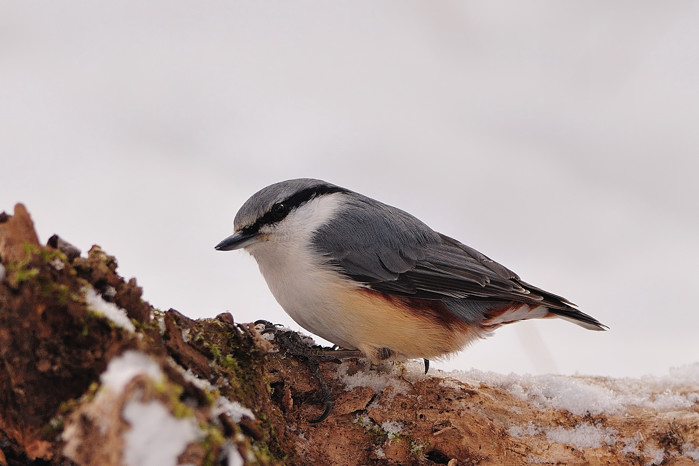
(292, 343)
(340, 353)
(427, 365)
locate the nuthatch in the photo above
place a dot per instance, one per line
(365, 275)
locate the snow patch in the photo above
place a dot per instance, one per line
(160, 320)
(392, 428)
(111, 311)
(519, 432)
(583, 435)
(223, 405)
(109, 292)
(690, 451)
(232, 409)
(156, 437)
(57, 264)
(192, 378)
(631, 444)
(657, 455)
(230, 450)
(363, 421)
(125, 367)
(450, 383)
(375, 380)
(594, 395)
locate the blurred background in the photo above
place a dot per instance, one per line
(558, 138)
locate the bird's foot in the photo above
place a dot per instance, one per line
(294, 344)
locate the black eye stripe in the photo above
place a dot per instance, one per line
(280, 210)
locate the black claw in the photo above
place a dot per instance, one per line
(427, 365)
(325, 393)
(291, 343)
(326, 413)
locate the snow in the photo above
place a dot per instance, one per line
(631, 444)
(191, 377)
(520, 432)
(374, 379)
(657, 455)
(595, 395)
(111, 311)
(676, 391)
(691, 451)
(232, 409)
(156, 437)
(392, 428)
(160, 320)
(231, 452)
(57, 264)
(122, 369)
(363, 421)
(223, 405)
(269, 335)
(583, 435)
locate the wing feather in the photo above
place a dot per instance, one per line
(393, 252)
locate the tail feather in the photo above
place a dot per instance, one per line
(580, 318)
(493, 314)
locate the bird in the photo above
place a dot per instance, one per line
(370, 277)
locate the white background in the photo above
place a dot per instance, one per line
(558, 138)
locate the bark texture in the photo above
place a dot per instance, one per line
(92, 374)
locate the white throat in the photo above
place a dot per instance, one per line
(305, 287)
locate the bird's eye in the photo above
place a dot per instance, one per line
(279, 211)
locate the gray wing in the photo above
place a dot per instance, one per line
(393, 252)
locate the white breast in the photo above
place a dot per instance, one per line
(307, 290)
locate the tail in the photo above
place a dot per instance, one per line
(496, 315)
(529, 302)
(578, 317)
(558, 306)
(538, 304)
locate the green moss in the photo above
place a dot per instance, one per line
(173, 392)
(370, 426)
(49, 255)
(215, 352)
(57, 292)
(23, 275)
(181, 410)
(92, 314)
(144, 326)
(30, 250)
(213, 439)
(211, 396)
(54, 427)
(229, 362)
(86, 325)
(263, 453)
(418, 448)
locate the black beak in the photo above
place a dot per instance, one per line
(236, 241)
